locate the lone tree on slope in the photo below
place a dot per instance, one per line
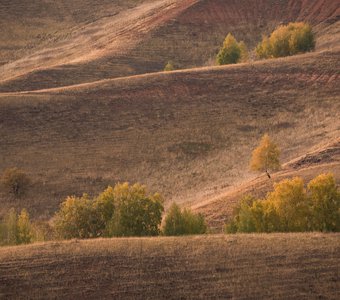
(266, 156)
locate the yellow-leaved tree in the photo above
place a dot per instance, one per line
(266, 157)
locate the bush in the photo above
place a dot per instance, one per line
(169, 66)
(232, 52)
(15, 181)
(183, 222)
(287, 40)
(291, 208)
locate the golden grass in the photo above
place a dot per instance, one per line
(276, 266)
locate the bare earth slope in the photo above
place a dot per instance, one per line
(275, 266)
(59, 44)
(187, 134)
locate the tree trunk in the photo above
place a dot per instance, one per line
(268, 174)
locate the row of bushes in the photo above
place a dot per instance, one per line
(285, 40)
(291, 208)
(122, 210)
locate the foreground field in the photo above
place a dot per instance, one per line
(277, 266)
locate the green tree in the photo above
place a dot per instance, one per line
(230, 53)
(24, 228)
(183, 222)
(10, 228)
(291, 203)
(77, 218)
(137, 213)
(325, 201)
(15, 181)
(266, 157)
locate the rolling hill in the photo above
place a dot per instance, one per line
(58, 43)
(69, 118)
(280, 266)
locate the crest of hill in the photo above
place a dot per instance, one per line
(61, 43)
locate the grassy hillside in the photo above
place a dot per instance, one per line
(186, 134)
(280, 266)
(323, 159)
(52, 44)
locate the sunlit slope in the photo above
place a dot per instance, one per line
(186, 134)
(321, 159)
(59, 44)
(279, 266)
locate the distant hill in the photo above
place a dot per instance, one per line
(59, 43)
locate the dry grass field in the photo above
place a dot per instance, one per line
(84, 104)
(187, 134)
(275, 266)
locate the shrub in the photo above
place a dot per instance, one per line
(266, 157)
(183, 222)
(15, 181)
(169, 66)
(230, 53)
(287, 40)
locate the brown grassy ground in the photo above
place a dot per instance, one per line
(275, 266)
(187, 134)
(61, 42)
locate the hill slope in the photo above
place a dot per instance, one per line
(219, 208)
(280, 266)
(187, 134)
(58, 44)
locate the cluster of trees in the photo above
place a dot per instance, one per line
(291, 207)
(286, 40)
(16, 228)
(122, 210)
(183, 222)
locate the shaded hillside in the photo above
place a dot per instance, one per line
(323, 159)
(278, 266)
(66, 44)
(186, 134)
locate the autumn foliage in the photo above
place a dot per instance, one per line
(287, 40)
(232, 52)
(291, 207)
(266, 157)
